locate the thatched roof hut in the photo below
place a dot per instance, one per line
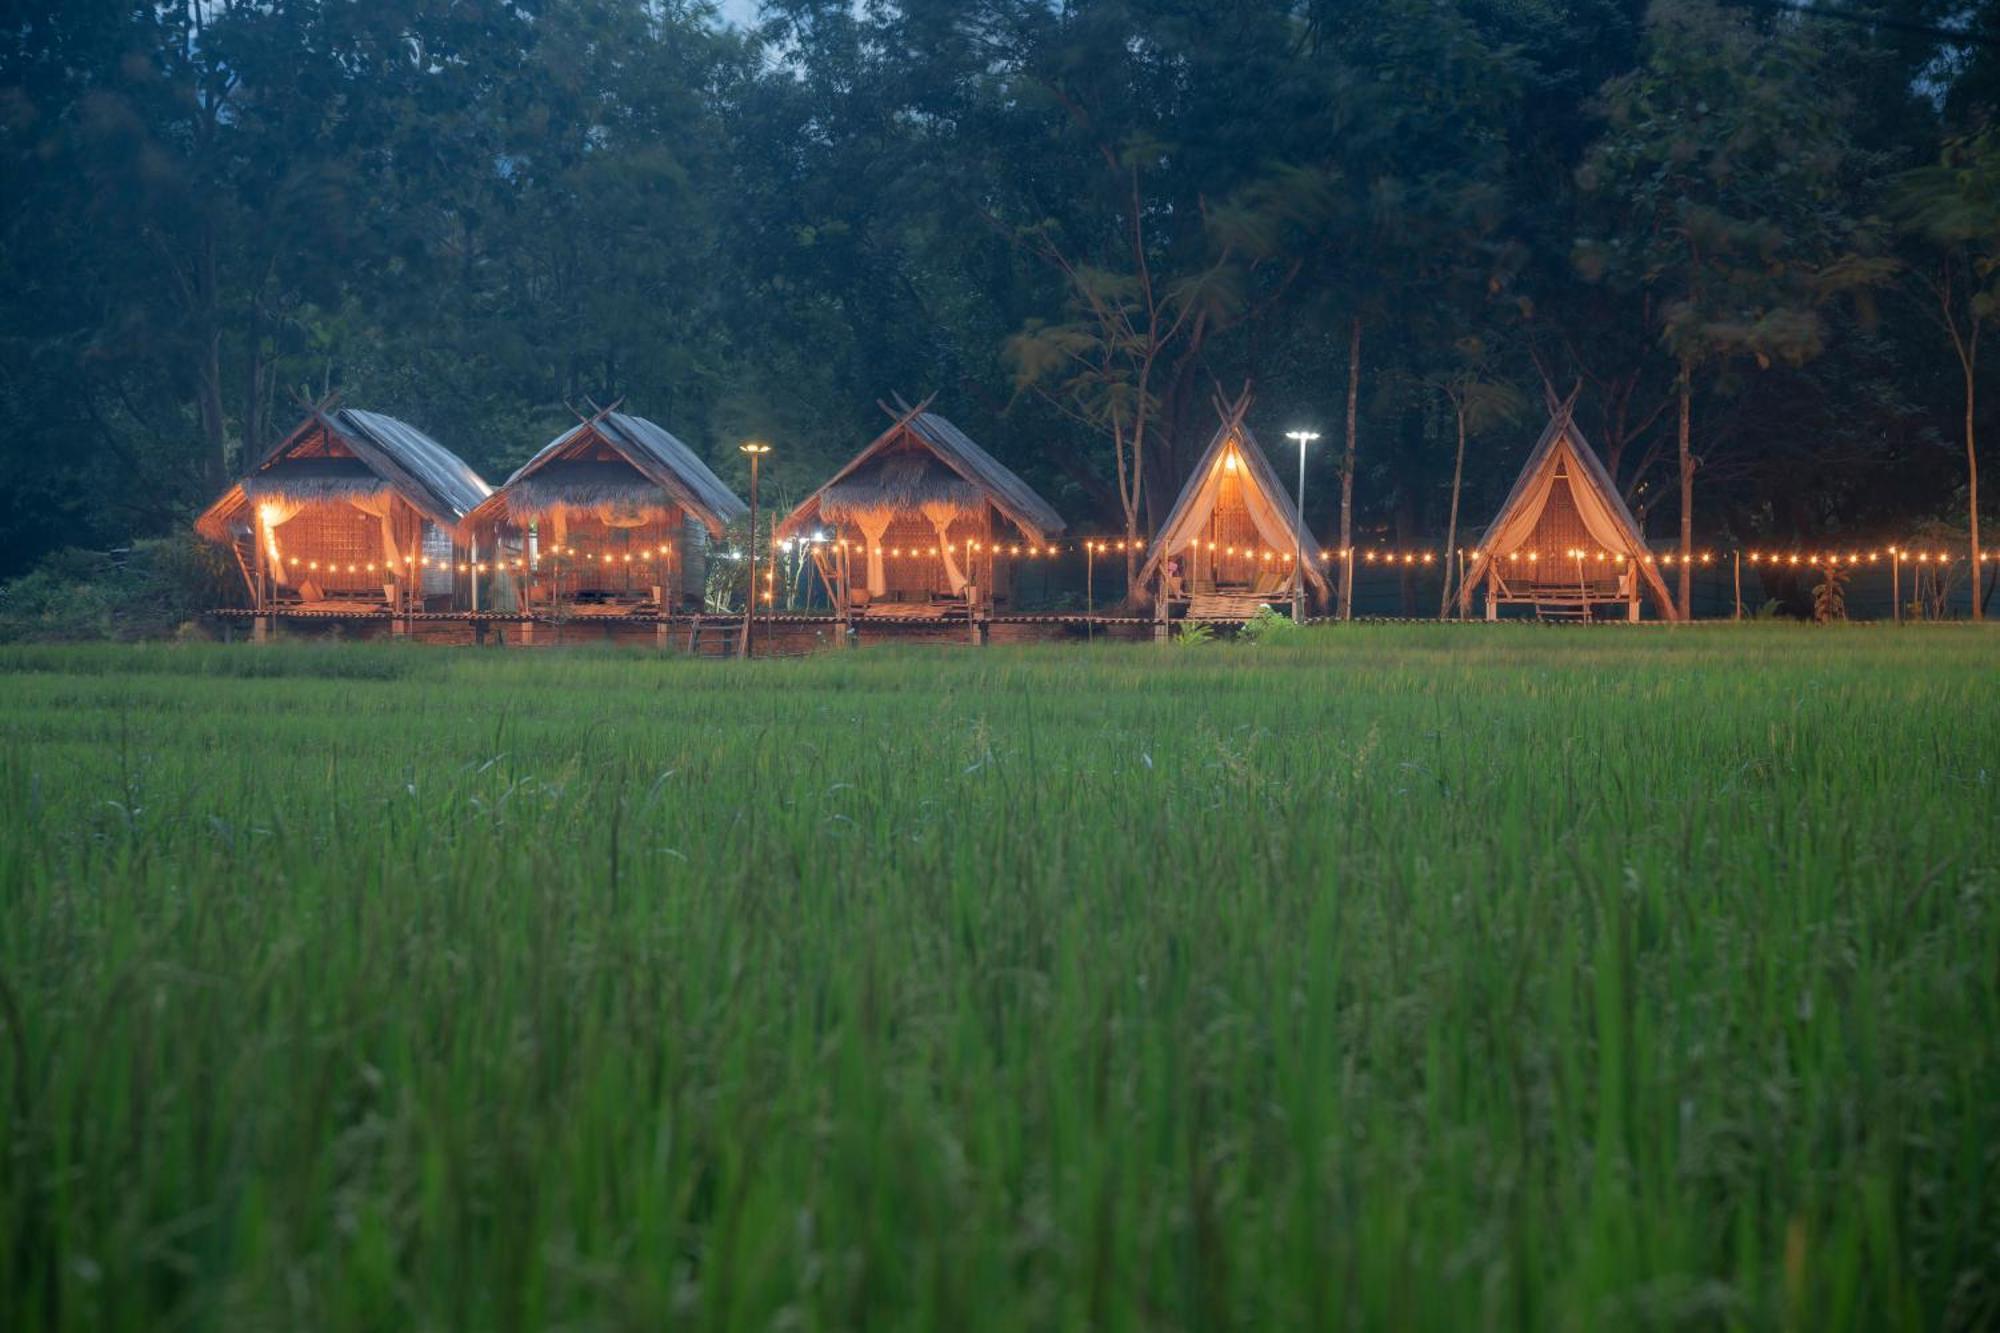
(348, 506)
(1564, 540)
(1234, 530)
(922, 487)
(629, 506)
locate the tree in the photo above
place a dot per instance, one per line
(1478, 402)
(1954, 206)
(1724, 155)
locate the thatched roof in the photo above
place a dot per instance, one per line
(963, 474)
(429, 477)
(657, 470)
(1195, 498)
(902, 481)
(307, 480)
(577, 484)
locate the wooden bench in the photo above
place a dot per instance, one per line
(1559, 598)
(1225, 607)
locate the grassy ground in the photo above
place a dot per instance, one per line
(1457, 977)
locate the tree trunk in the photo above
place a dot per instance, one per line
(1451, 524)
(1347, 474)
(208, 369)
(256, 392)
(1687, 499)
(1972, 472)
(214, 429)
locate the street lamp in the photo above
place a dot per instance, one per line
(1302, 438)
(756, 452)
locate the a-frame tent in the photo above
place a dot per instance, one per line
(1564, 538)
(1234, 526)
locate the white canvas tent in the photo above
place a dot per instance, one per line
(1564, 540)
(1234, 525)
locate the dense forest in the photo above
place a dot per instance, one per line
(1756, 239)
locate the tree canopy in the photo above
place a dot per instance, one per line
(1075, 222)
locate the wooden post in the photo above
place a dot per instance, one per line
(472, 574)
(746, 647)
(1896, 584)
(1089, 592)
(1738, 559)
(257, 542)
(842, 596)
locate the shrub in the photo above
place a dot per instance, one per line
(150, 590)
(1267, 626)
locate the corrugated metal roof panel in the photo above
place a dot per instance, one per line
(670, 453)
(455, 486)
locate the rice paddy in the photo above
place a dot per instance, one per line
(1400, 977)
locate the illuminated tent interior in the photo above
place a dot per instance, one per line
(1564, 541)
(1230, 543)
(615, 513)
(920, 522)
(352, 511)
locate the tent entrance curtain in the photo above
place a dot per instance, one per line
(1518, 529)
(1230, 511)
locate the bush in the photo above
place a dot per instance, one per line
(151, 590)
(1267, 626)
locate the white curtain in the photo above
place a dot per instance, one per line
(273, 514)
(941, 516)
(381, 507)
(874, 525)
(1264, 514)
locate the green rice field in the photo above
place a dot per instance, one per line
(1453, 977)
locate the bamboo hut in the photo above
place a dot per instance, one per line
(922, 522)
(1230, 544)
(1563, 542)
(613, 515)
(353, 511)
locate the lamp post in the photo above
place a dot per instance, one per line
(1302, 438)
(756, 452)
